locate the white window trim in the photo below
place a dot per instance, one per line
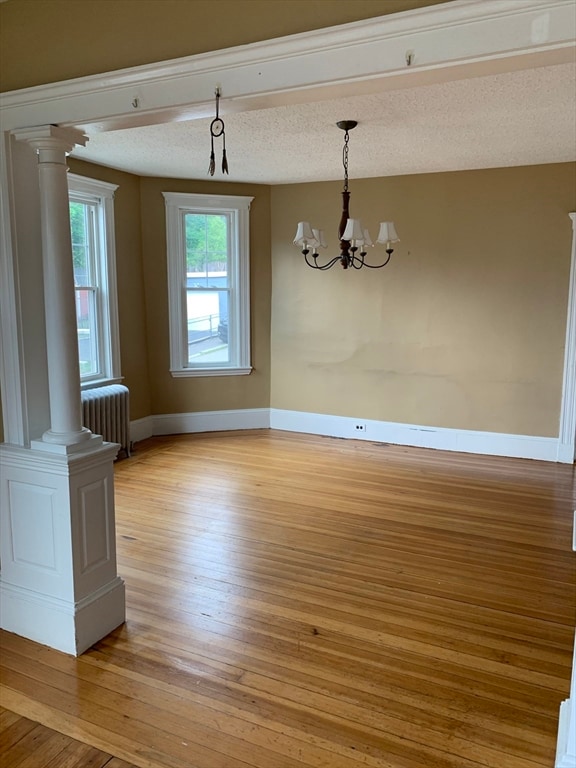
(102, 192)
(178, 203)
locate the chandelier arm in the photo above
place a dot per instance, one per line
(310, 263)
(330, 263)
(378, 266)
(315, 264)
(358, 262)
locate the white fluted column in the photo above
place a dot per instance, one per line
(52, 144)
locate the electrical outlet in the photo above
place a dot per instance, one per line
(360, 428)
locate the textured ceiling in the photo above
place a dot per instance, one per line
(518, 118)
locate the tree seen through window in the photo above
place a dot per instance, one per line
(206, 243)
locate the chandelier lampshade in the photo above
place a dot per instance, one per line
(387, 233)
(304, 234)
(354, 232)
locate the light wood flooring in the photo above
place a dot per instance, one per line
(304, 602)
(26, 744)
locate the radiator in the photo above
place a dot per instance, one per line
(106, 412)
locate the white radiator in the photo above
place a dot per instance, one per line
(106, 412)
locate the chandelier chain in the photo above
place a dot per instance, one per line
(345, 160)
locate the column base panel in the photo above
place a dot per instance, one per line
(66, 626)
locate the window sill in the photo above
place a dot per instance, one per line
(187, 372)
(95, 383)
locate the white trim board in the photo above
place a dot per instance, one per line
(566, 746)
(463, 38)
(567, 431)
(461, 440)
(566, 743)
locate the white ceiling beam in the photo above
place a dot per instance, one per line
(451, 41)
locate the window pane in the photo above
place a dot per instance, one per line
(207, 316)
(206, 249)
(81, 240)
(87, 332)
(208, 284)
(91, 208)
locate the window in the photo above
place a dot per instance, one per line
(208, 284)
(93, 253)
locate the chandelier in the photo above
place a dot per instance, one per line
(354, 239)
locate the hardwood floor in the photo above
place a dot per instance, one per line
(25, 744)
(297, 601)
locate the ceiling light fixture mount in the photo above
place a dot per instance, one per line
(354, 239)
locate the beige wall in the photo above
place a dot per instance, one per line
(183, 395)
(44, 41)
(464, 329)
(130, 280)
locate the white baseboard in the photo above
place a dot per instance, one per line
(141, 429)
(205, 421)
(462, 440)
(211, 421)
(465, 441)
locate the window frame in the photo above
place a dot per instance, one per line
(178, 204)
(100, 194)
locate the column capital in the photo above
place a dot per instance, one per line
(51, 137)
